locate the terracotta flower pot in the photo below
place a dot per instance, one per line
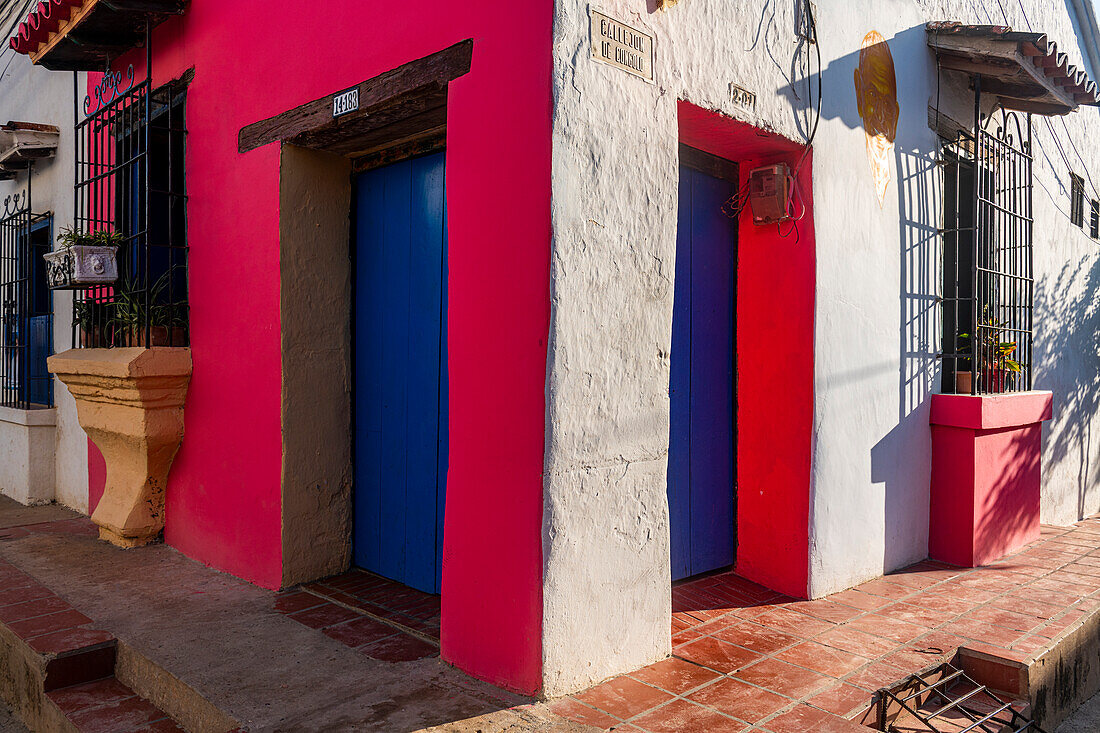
(158, 336)
(995, 380)
(964, 382)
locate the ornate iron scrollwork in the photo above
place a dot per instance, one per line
(1005, 126)
(108, 90)
(14, 203)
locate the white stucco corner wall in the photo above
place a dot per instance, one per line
(30, 93)
(606, 588)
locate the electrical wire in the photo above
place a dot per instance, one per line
(6, 66)
(809, 94)
(1069, 138)
(1050, 127)
(19, 13)
(793, 175)
(735, 204)
(796, 190)
(790, 213)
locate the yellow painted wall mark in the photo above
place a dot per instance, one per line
(877, 101)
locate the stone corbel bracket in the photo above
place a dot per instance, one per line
(130, 403)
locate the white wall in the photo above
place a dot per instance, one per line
(32, 94)
(614, 216)
(27, 442)
(876, 319)
(606, 540)
(878, 324)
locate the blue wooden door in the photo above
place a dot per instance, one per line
(701, 387)
(400, 390)
(39, 347)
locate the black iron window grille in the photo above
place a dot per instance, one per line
(988, 281)
(1094, 219)
(1077, 200)
(130, 181)
(26, 307)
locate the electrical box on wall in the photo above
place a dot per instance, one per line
(769, 193)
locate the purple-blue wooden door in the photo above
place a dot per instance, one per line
(400, 327)
(701, 386)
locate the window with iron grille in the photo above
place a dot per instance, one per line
(1094, 221)
(1077, 200)
(130, 180)
(988, 283)
(26, 310)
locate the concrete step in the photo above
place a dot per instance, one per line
(45, 645)
(108, 706)
(60, 673)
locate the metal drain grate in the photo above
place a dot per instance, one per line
(947, 700)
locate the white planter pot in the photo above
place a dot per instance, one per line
(80, 266)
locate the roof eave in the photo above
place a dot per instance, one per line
(1024, 70)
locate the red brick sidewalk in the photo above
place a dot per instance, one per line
(380, 618)
(747, 658)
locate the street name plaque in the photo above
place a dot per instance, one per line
(622, 46)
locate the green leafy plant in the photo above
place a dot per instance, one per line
(69, 238)
(84, 315)
(995, 352)
(131, 310)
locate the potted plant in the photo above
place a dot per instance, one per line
(964, 377)
(997, 365)
(131, 311)
(83, 259)
(84, 318)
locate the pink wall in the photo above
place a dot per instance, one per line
(775, 362)
(256, 59)
(97, 476)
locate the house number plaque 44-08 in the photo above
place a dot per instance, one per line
(345, 102)
(621, 46)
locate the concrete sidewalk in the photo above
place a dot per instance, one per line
(199, 637)
(355, 652)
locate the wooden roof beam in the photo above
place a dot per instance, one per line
(417, 86)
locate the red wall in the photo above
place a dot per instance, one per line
(256, 59)
(775, 361)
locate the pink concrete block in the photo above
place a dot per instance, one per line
(986, 459)
(988, 412)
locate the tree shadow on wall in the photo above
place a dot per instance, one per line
(1007, 513)
(1067, 362)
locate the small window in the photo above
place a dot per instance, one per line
(26, 311)
(988, 283)
(131, 181)
(1077, 200)
(1094, 224)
